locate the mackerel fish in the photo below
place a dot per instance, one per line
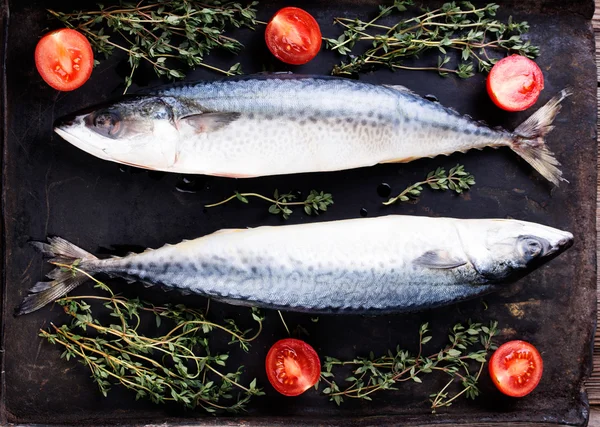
(368, 265)
(283, 124)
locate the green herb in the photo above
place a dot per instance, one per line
(462, 360)
(178, 366)
(457, 180)
(315, 202)
(283, 321)
(160, 32)
(469, 30)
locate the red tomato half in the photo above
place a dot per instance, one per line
(292, 366)
(64, 59)
(516, 368)
(515, 83)
(293, 36)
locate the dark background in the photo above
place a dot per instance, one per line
(51, 188)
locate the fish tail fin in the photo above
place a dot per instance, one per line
(529, 142)
(63, 280)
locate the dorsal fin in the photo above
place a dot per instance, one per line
(402, 89)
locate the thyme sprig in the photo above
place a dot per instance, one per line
(178, 366)
(471, 31)
(160, 32)
(314, 203)
(462, 359)
(457, 180)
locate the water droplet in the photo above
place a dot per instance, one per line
(189, 184)
(364, 212)
(129, 169)
(431, 98)
(384, 189)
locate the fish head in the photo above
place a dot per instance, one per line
(138, 131)
(506, 250)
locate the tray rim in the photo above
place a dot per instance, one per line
(239, 420)
(4, 23)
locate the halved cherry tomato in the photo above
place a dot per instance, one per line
(292, 366)
(516, 368)
(64, 59)
(515, 83)
(293, 36)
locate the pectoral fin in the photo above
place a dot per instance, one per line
(439, 258)
(210, 122)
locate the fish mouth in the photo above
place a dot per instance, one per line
(567, 241)
(74, 118)
(67, 127)
(561, 245)
(67, 121)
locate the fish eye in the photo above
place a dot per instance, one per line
(107, 123)
(530, 248)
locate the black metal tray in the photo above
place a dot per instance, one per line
(51, 188)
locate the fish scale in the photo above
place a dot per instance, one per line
(370, 265)
(284, 124)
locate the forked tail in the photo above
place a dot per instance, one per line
(64, 279)
(529, 142)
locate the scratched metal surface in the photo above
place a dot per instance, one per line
(51, 188)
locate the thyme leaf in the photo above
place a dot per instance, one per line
(316, 202)
(457, 180)
(177, 366)
(163, 32)
(472, 32)
(462, 359)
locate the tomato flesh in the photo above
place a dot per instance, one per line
(293, 36)
(516, 368)
(515, 83)
(292, 366)
(64, 59)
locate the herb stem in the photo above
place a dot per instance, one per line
(442, 69)
(260, 196)
(371, 374)
(315, 202)
(457, 180)
(283, 321)
(406, 191)
(461, 27)
(246, 389)
(165, 368)
(93, 365)
(161, 32)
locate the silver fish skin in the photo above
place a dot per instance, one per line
(370, 265)
(284, 124)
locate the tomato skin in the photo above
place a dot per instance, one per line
(516, 368)
(64, 59)
(292, 366)
(515, 83)
(293, 36)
